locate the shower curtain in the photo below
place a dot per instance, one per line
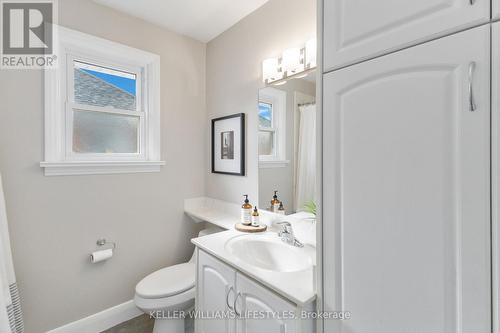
(305, 189)
(11, 320)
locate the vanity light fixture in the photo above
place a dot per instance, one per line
(271, 70)
(294, 63)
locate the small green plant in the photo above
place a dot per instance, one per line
(310, 207)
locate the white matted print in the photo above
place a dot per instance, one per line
(228, 145)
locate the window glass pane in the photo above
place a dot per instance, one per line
(266, 143)
(99, 132)
(105, 87)
(265, 115)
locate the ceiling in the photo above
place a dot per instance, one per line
(200, 19)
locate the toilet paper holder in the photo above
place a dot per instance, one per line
(102, 241)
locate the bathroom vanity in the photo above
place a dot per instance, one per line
(241, 276)
(260, 283)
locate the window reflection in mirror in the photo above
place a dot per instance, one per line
(287, 145)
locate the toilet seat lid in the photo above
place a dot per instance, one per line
(168, 281)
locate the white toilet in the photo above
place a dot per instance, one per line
(169, 289)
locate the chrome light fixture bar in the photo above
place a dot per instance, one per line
(294, 63)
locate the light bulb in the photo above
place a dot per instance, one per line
(270, 70)
(291, 62)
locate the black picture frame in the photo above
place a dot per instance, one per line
(242, 143)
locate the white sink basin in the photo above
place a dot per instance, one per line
(268, 252)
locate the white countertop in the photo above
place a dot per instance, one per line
(217, 212)
(298, 287)
(226, 214)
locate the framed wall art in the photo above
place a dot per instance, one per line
(228, 145)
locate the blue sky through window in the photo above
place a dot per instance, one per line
(121, 82)
(265, 114)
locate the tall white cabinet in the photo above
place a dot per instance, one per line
(495, 154)
(356, 30)
(406, 173)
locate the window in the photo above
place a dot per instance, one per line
(272, 127)
(102, 108)
(267, 132)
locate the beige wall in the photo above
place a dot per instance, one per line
(234, 77)
(55, 221)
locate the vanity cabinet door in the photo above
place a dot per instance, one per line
(356, 30)
(215, 292)
(262, 310)
(406, 189)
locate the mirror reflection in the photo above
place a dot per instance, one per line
(287, 145)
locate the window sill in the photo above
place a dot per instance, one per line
(273, 164)
(99, 168)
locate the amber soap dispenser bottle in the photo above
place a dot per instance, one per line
(246, 212)
(255, 217)
(275, 203)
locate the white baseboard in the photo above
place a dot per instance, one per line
(101, 321)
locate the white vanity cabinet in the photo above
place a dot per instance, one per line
(219, 287)
(406, 186)
(254, 298)
(362, 29)
(215, 292)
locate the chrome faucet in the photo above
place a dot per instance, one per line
(287, 236)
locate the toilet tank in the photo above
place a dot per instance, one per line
(207, 231)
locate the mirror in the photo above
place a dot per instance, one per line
(287, 145)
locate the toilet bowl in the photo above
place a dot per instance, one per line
(168, 291)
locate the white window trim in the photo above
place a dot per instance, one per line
(277, 98)
(58, 161)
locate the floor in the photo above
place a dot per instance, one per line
(142, 324)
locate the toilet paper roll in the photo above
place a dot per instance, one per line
(102, 255)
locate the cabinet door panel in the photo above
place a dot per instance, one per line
(213, 283)
(495, 4)
(254, 300)
(406, 190)
(356, 30)
(495, 172)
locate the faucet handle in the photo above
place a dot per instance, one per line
(285, 228)
(285, 225)
(286, 234)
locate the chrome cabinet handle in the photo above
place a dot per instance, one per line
(227, 299)
(234, 305)
(472, 103)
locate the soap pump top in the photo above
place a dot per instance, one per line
(246, 204)
(275, 200)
